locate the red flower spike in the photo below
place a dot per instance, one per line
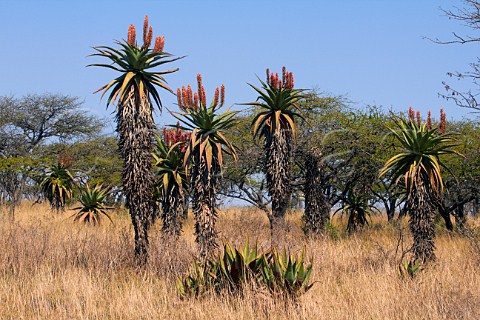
(222, 95)
(184, 98)
(290, 81)
(159, 44)
(199, 84)
(268, 75)
(65, 160)
(411, 114)
(284, 76)
(195, 99)
(442, 127)
(145, 29)
(215, 97)
(204, 98)
(189, 96)
(419, 118)
(429, 120)
(131, 35)
(149, 38)
(175, 135)
(278, 84)
(179, 98)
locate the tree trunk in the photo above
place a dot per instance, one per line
(391, 209)
(204, 187)
(476, 206)
(422, 223)
(135, 126)
(277, 156)
(186, 204)
(317, 210)
(446, 217)
(460, 218)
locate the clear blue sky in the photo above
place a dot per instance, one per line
(371, 50)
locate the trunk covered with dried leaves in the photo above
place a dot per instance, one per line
(277, 155)
(204, 183)
(422, 222)
(172, 212)
(135, 127)
(317, 210)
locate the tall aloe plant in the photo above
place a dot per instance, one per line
(171, 177)
(204, 155)
(274, 122)
(134, 90)
(419, 164)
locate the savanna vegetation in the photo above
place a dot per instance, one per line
(351, 211)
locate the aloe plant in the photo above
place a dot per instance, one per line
(285, 274)
(277, 108)
(135, 90)
(204, 155)
(171, 178)
(93, 205)
(418, 164)
(357, 206)
(58, 183)
(236, 266)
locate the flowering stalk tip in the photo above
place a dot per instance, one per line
(159, 44)
(442, 127)
(145, 29)
(131, 35)
(419, 118)
(222, 95)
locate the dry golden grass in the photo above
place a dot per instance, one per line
(51, 268)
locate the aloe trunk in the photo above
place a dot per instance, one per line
(204, 189)
(172, 211)
(135, 127)
(422, 222)
(317, 210)
(277, 155)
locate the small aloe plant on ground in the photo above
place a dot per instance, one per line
(92, 205)
(283, 275)
(236, 266)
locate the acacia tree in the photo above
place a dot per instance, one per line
(28, 125)
(468, 15)
(275, 123)
(204, 156)
(135, 89)
(244, 180)
(419, 164)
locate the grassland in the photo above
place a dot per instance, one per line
(52, 268)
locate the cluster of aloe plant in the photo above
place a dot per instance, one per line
(284, 275)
